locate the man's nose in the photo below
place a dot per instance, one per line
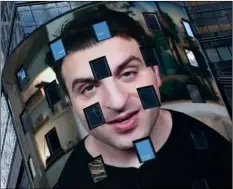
(114, 96)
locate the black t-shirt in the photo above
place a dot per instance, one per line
(178, 164)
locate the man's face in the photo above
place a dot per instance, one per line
(117, 95)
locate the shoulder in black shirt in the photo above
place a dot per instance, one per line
(194, 156)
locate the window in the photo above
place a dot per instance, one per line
(224, 53)
(52, 12)
(52, 93)
(188, 28)
(191, 58)
(53, 141)
(202, 30)
(212, 25)
(22, 78)
(224, 23)
(40, 17)
(26, 18)
(31, 168)
(152, 22)
(29, 29)
(22, 181)
(212, 55)
(75, 4)
(195, 94)
(24, 8)
(24, 119)
(63, 7)
(227, 4)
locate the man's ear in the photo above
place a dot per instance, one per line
(157, 75)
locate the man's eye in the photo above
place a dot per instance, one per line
(88, 89)
(128, 75)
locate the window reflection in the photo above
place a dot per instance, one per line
(224, 53)
(212, 55)
(26, 18)
(52, 13)
(202, 30)
(40, 17)
(29, 29)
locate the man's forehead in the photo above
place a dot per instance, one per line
(116, 50)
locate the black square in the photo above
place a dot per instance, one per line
(144, 149)
(100, 68)
(200, 184)
(148, 97)
(199, 140)
(97, 169)
(94, 116)
(149, 55)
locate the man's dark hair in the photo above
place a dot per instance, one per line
(78, 34)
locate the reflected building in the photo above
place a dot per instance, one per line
(18, 20)
(212, 21)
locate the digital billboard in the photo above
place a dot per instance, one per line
(139, 84)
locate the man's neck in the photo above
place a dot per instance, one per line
(128, 158)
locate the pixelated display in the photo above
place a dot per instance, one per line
(145, 149)
(97, 169)
(199, 140)
(58, 50)
(94, 116)
(102, 31)
(100, 68)
(148, 97)
(149, 56)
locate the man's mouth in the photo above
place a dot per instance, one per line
(125, 121)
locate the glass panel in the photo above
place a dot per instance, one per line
(212, 55)
(63, 4)
(202, 30)
(52, 13)
(227, 4)
(29, 29)
(224, 53)
(37, 7)
(191, 3)
(188, 28)
(24, 8)
(230, 47)
(32, 168)
(152, 22)
(26, 18)
(212, 25)
(191, 58)
(211, 6)
(224, 23)
(63, 9)
(40, 17)
(75, 4)
(202, 2)
(195, 94)
(50, 5)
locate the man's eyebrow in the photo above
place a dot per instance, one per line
(124, 63)
(82, 80)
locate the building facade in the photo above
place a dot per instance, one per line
(42, 125)
(212, 21)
